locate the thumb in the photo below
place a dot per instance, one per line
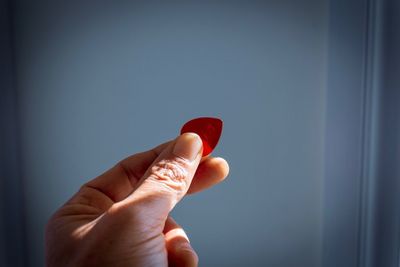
(167, 180)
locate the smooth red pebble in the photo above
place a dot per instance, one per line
(209, 129)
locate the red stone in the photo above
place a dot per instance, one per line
(209, 129)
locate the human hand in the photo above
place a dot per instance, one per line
(121, 218)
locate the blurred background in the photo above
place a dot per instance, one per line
(308, 91)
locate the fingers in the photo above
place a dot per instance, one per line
(210, 172)
(118, 182)
(180, 252)
(167, 180)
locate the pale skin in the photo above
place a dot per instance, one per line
(121, 218)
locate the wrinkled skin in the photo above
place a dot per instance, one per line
(121, 218)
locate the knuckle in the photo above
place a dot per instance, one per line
(172, 174)
(122, 214)
(125, 215)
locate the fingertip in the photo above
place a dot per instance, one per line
(211, 172)
(188, 146)
(221, 166)
(182, 254)
(187, 256)
(180, 251)
(217, 168)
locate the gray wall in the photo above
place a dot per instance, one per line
(308, 91)
(362, 153)
(345, 120)
(100, 81)
(387, 210)
(11, 214)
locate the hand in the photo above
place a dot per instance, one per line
(121, 218)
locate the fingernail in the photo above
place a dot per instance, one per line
(188, 146)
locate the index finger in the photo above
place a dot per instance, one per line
(118, 182)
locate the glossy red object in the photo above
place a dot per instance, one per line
(209, 129)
